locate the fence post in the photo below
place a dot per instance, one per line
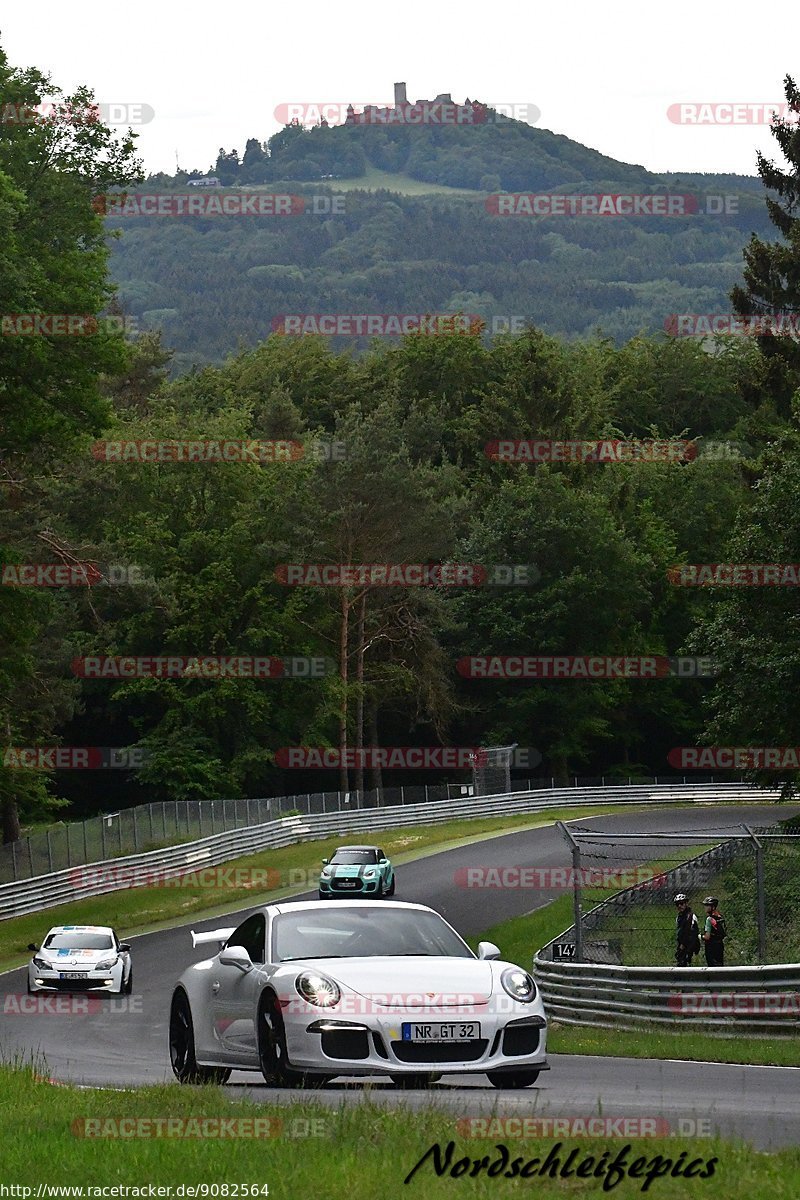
(135, 828)
(761, 899)
(85, 848)
(30, 857)
(576, 889)
(14, 860)
(49, 852)
(103, 834)
(402, 794)
(69, 853)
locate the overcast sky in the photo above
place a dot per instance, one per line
(604, 75)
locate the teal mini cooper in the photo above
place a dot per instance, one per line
(356, 871)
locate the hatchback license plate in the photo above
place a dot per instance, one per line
(441, 1031)
(72, 974)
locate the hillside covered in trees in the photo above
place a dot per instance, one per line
(212, 283)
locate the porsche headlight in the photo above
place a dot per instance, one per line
(108, 963)
(41, 963)
(318, 989)
(518, 984)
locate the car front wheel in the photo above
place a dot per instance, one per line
(127, 987)
(512, 1079)
(390, 889)
(182, 1050)
(272, 1053)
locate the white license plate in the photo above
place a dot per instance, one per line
(343, 883)
(72, 974)
(441, 1031)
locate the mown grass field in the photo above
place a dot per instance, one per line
(362, 1151)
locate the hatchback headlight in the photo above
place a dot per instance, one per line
(108, 963)
(518, 984)
(370, 873)
(318, 989)
(41, 963)
(327, 872)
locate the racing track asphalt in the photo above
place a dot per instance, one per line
(118, 1049)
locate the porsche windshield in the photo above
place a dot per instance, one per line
(359, 933)
(354, 858)
(78, 941)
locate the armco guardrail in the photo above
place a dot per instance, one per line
(757, 1000)
(99, 878)
(733, 1000)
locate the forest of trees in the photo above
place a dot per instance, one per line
(215, 283)
(415, 484)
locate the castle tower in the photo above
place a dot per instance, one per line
(400, 95)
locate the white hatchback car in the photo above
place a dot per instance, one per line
(81, 958)
(307, 990)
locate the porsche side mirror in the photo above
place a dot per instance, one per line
(32, 946)
(236, 956)
(488, 950)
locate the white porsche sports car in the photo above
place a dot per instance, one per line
(305, 991)
(81, 958)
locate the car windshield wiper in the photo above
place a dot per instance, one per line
(303, 957)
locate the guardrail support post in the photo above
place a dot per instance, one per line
(761, 898)
(576, 889)
(14, 860)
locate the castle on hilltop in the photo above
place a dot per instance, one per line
(441, 111)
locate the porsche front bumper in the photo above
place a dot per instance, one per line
(374, 1044)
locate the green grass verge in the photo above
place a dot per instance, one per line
(359, 1151)
(521, 937)
(138, 910)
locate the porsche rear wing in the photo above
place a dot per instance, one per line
(213, 935)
